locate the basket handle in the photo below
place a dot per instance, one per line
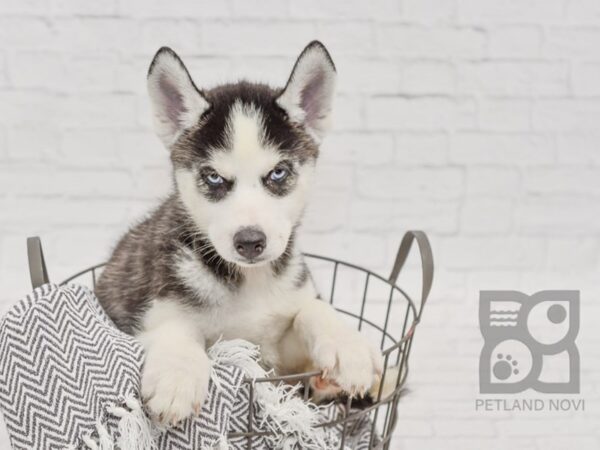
(37, 265)
(426, 261)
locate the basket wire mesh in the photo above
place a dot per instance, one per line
(383, 411)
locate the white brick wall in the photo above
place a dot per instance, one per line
(475, 120)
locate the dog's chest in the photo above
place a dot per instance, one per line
(260, 311)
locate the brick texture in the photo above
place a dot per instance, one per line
(475, 120)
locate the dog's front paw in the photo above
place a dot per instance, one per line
(349, 360)
(175, 383)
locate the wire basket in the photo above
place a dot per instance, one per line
(379, 297)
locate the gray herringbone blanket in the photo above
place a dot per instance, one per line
(70, 379)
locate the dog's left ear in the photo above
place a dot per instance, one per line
(308, 94)
(176, 101)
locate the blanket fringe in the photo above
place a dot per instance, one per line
(134, 430)
(283, 412)
(292, 420)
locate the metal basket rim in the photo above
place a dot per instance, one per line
(396, 343)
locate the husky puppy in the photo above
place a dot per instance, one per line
(218, 258)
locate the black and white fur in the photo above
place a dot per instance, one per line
(243, 157)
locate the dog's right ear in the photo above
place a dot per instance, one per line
(176, 101)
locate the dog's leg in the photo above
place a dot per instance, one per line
(176, 370)
(341, 352)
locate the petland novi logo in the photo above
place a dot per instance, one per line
(529, 343)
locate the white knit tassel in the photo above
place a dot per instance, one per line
(236, 352)
(283, 411)
(105, 442)
(135, 428)
(90, 442)
(223, 444)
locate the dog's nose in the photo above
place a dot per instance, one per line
(249, 242)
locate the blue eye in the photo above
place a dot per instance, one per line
(278, 174)
(214, 179)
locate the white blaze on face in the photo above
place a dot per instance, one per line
(246, 160)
